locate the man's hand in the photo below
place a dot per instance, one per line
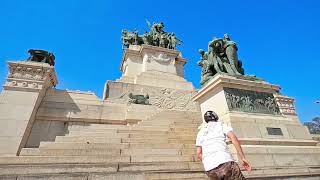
(246, 165)
(237, 145)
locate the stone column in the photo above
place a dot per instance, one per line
(23, 91)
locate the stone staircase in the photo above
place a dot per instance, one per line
(160, 147)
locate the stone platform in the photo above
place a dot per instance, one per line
(273, 139)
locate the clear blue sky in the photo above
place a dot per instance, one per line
(278, 40)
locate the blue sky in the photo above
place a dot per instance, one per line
(278, 40)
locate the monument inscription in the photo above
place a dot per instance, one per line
(274, 131)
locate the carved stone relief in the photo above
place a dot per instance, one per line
(30, 75)
(251, 101)
(163, 98)
(286, 105)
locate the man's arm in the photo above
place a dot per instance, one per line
(199, 152)
(237, 145)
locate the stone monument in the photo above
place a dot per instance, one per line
(274, 140)
(143, 128)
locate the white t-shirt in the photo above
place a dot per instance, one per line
(212, 138)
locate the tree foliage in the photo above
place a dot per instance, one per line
(314, 125)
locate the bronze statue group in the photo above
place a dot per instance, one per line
(221, 58)
(156, 37)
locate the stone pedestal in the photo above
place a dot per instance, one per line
(153, 71)
(154, 66)
(25, 86)
(265, 122)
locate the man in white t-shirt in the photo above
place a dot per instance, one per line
(212, 150)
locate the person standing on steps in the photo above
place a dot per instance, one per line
(212, 150)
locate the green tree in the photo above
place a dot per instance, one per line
(314, 125)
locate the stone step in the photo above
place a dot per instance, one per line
(94, 152)
(41, 170)
(70, 145)
(149, 135)
(161, 146)
(94, 159)
(107, 131)
(143, 130)
(29, 152)
(90, 139)
(184, 178)
(150, 127)
(145, 140)
(196, 166)
(68, 152)
(189, 146)
(145, 133)
(89, 126)
(177, 112)
(165, 120)
(191, 151)
(169, 136)
(169, 124)
(183, 115)
(178, 175)
(184, 123)
(137, 128)
(64, 159)
(172, 120)
(147, 125)
(98, 129)
(113, 130)
(183, 133)
(151, 121)
(184, 126)
(95, 126)
(161, 158)
(85, 176)
(96, 134)
(183, 141)
(153, 125)
(161, 166)
(180, 116)
(184, 129)
(182, 137)
(151, 151)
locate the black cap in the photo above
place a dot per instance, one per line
(210, 116)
